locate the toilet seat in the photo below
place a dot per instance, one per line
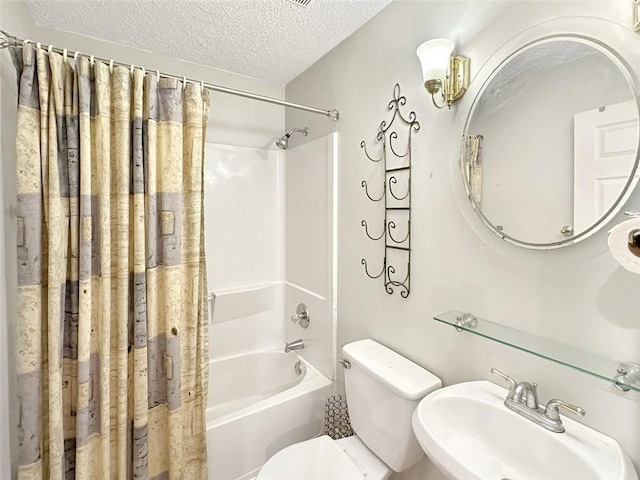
(322, 458)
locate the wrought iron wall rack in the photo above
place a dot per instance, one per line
(396, 169)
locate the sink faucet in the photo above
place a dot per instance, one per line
(295, 345)
(523, 400)
(526, 393)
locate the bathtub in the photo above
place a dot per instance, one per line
(259, 404)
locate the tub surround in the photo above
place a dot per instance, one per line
(256, 397)
(311, 177)
(259, 280)
(246, 318)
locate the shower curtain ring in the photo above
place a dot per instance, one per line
(75, 56)
(64, 55)
(50, 49)
(144, 72)
(92, 60)
(184, 82)
(111, 66)
(158, 74)
(38, 45)
(202, 87)
(132, 68)
(25, 42)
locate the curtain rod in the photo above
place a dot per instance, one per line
(7, 40)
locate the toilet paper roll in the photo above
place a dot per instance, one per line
(624, 244)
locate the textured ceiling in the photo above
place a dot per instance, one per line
(273, 40)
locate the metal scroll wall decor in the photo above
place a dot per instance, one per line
(396, 196)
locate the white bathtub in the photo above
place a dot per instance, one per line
(258, 405)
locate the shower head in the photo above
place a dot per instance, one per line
(283, 142)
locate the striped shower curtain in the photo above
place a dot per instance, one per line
(472, 163)
(111, 352)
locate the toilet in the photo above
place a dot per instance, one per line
(383, 388)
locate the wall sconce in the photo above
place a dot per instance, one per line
(442, 71)
(636, 16)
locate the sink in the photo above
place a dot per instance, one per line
(470, 435)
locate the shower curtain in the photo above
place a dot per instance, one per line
(472, 161)
(112, 349)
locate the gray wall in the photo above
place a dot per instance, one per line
(582, 298)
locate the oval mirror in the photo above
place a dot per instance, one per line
(550, 147)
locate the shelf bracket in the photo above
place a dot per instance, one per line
(466, 322)
(628, 375)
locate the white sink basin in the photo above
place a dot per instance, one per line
(468, 433)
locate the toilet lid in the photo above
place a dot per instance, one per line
(317, 459)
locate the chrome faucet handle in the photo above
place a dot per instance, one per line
(551, 410)
(301, 317)
(512, 383)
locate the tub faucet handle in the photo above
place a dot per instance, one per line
(301, 317)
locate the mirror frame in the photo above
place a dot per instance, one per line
(609, 38)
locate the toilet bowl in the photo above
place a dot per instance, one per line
(383, 388)
(325, 459)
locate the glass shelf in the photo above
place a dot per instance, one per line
(599, 367)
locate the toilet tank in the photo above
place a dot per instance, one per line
(383, 389)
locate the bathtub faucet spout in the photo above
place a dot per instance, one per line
(295, 345)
